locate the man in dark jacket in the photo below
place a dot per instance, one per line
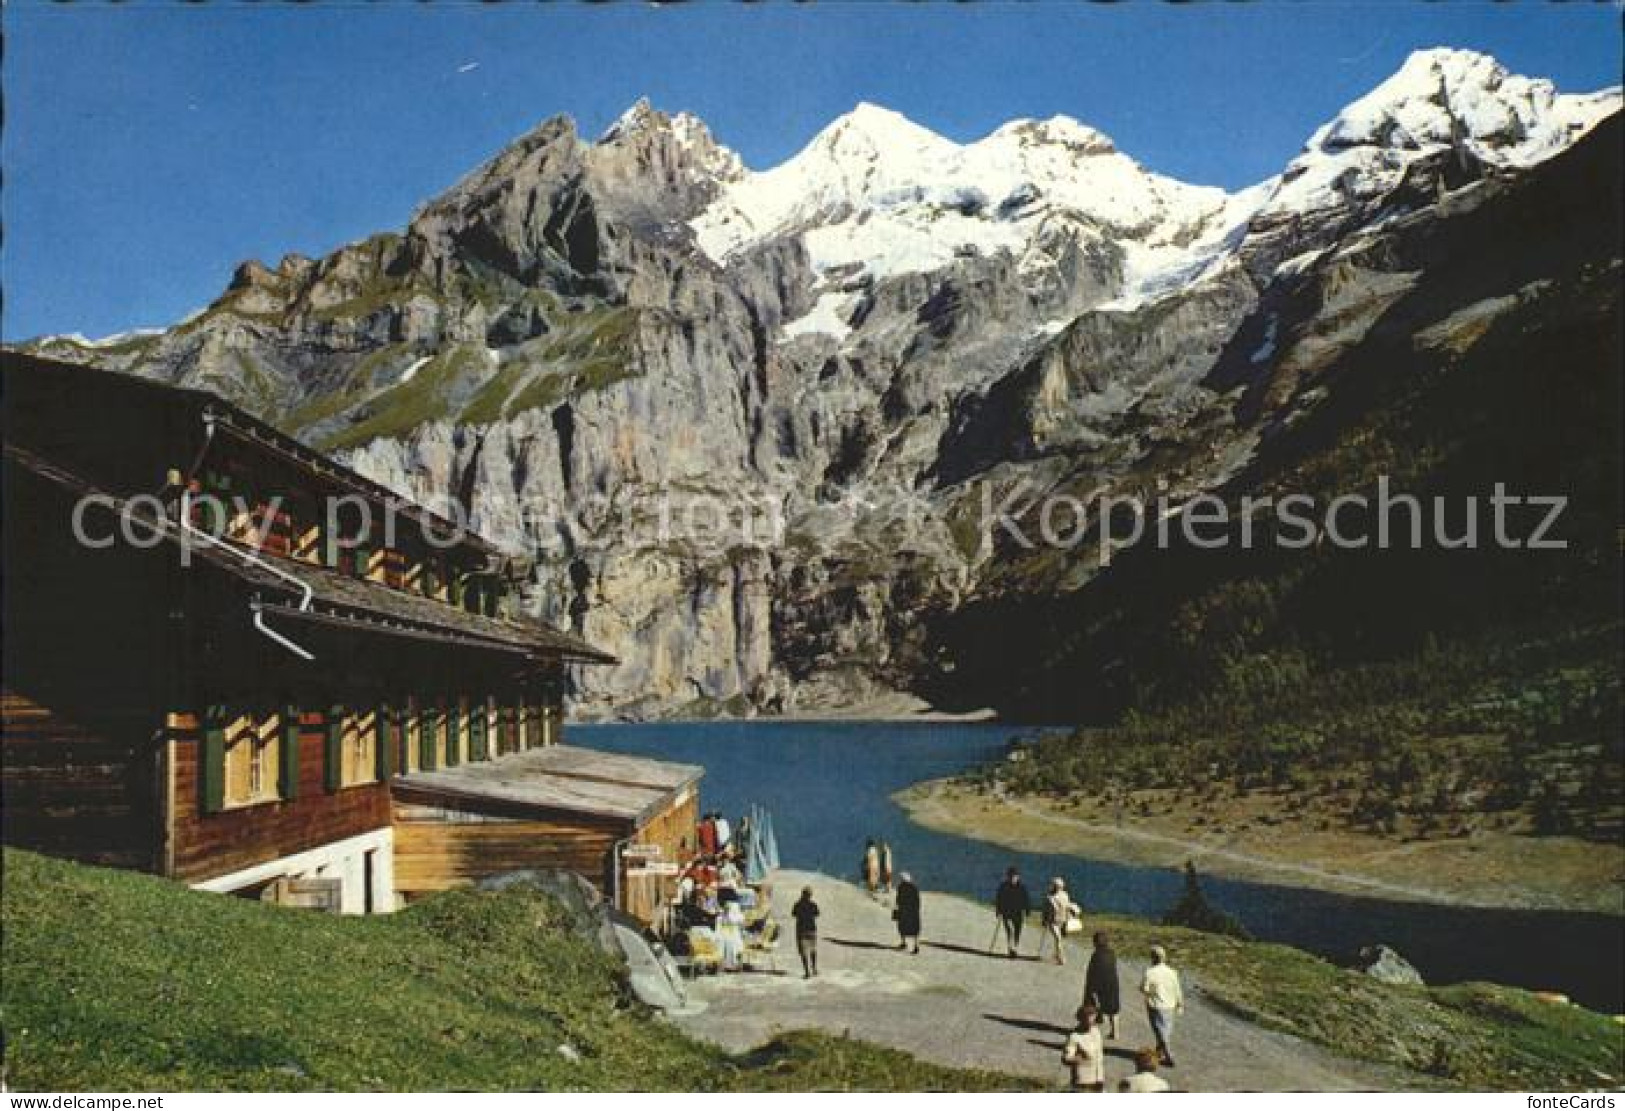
(805, 912)
(1012, 904)
(907, 914)
(1100, 984)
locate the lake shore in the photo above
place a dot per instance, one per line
(892, 708)
(1254, 842)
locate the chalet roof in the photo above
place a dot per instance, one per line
(336, 599)
(88, 381)
(555, 779)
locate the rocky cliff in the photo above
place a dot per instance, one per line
(747, 422)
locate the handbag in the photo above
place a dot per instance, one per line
(1074, 921)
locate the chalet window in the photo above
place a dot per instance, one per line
(252, 751)
(388, 734)
(459, 738)
(508, 723)
(306, 529)
(212, 513)
(360, 750)
(412, 726)
(445, 733)
(532, 716)
(478, 741)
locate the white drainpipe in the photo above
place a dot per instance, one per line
(306, 592)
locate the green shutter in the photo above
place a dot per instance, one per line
(386, 742)
(477, 748)
(287, 764)
(454, 732)
(212, 762)
(428, 729)
(333, 759)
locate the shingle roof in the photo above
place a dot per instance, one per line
(556, 779)
(244, 424)
(335, 598)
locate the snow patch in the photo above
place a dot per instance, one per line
(410, 372)
(826, 317)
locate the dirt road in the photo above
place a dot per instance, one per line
(957, 1005)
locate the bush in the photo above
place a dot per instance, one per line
(1194, 912)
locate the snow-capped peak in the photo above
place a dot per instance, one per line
(1445, 96)
(876, 193)
(643, 122)
(869, 128)
(1062, 130)
(1439, 98)
(635, 117)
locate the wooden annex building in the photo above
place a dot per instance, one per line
(313, 709)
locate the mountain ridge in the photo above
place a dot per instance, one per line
(849, 348)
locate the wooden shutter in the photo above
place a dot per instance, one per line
(212, 762)
(428, 729)
(333, 757)
(287, 767)
(386, 742)
(478, 749)
(454, 734)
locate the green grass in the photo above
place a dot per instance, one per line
(118, 981)
(1477, 1036)
(407, 405)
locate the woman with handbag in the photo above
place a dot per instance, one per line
(1059, 914)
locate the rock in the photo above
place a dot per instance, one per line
(589, 914)
(1382, 963)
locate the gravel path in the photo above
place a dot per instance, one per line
(956, 1005)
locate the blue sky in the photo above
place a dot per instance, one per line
(149, 148)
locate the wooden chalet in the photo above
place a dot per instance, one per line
(313, 709)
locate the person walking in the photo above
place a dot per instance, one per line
(805, 912)
(871, 866)
(1011, 905)
(730, 930)
(1164, 999)
(1058, 911)
(1100, 984)
(885, 866)
(1145, 1078)
(1085, 1054)
(907, 914)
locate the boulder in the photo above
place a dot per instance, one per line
(1382, 963)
